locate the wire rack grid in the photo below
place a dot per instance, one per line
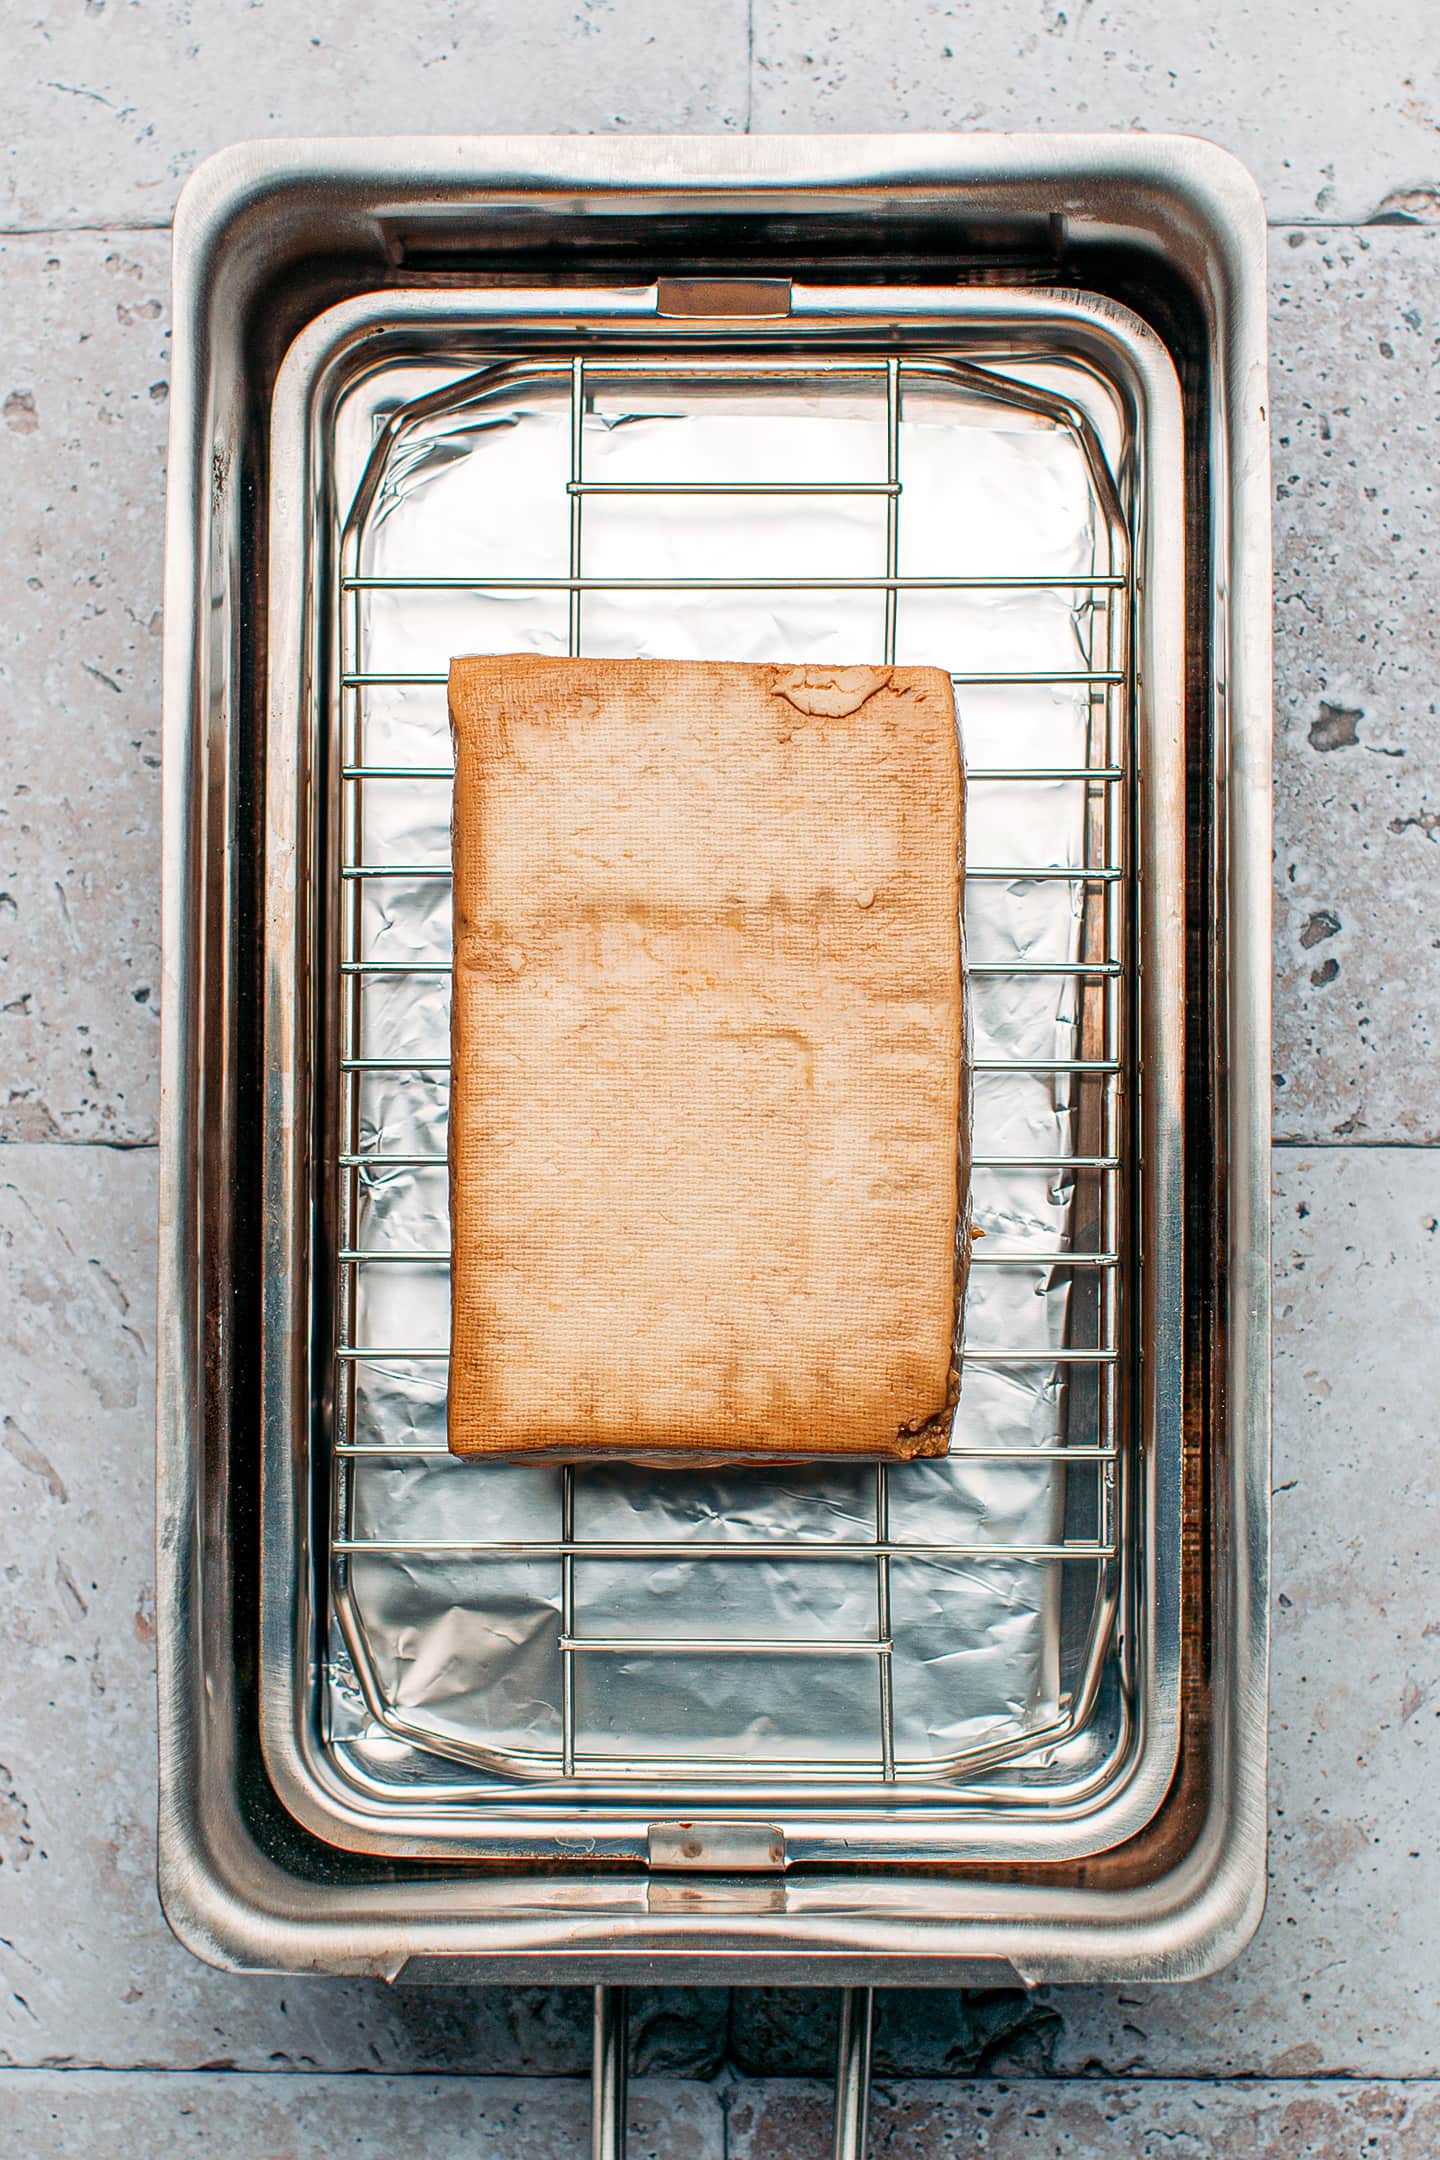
(1099, 1252)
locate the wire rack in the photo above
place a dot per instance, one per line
(1097, 1253)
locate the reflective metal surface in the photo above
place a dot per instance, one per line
(742, 509)
(852, 2074)
(734, 1612)
(609, 2073)
(266, 242)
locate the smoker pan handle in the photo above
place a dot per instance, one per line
(608, 2067)
(852, 2073)
(609, 2060)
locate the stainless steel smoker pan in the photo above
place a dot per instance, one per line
(979, 1657)
(380, 296)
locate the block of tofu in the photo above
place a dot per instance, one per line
(707, 1156)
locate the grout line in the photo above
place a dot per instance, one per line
(114, 1147)
(65, 232)
(118, 1147)
(737, 2082)
(1292, 1147)
(1377, 221)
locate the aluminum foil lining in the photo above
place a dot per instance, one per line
(460, 1653)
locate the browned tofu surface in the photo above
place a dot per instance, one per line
(705, 1148)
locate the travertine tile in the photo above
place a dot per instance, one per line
(89, 1972)
(1343, 1975)
(84, 379)
(1085, 2119)
(141, 2115)
(1356, 390)
(1332, 120)
(109, 106)
(83, 373)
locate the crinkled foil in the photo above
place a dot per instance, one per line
(463, 1650)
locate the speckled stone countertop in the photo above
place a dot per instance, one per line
(1324, 2037)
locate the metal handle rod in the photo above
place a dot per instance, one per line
(608, 2067)
(852, 2073)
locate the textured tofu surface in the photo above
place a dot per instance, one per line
(706, 1156)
